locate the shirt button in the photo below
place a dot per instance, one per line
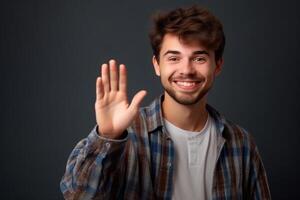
(107, 145)
(169, 164)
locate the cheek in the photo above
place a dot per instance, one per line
(166, 72)
(209, 70)
(207, 74)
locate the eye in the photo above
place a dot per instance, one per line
(199, 59)
(173, 58)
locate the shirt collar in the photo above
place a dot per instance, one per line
(155, 118)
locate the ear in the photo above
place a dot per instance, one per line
(219, 66)
(156, 66)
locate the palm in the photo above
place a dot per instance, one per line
(113, 112)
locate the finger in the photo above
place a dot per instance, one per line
(137, 99)
(123, 79)
(99, 89)
(113, 75)
(105, 77)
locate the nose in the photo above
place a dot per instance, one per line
(187, 68)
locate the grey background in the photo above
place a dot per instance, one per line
(50, 57)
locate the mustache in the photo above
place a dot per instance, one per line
(187, 77)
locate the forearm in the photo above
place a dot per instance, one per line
(89, 165)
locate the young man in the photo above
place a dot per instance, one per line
(179, 147)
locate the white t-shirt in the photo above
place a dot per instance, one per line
(195, 159)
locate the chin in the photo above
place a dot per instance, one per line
(186, 99)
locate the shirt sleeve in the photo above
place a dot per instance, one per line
(93, 166)
(258, 187)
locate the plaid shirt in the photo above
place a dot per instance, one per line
(141, 165)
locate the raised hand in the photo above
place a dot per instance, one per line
(113, 112)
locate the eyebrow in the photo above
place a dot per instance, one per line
(194, 53)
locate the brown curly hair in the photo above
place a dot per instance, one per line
(191, 24)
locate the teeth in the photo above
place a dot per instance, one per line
(186, 83)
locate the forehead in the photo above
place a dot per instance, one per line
(172, 42)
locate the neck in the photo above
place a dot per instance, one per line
(187, 117)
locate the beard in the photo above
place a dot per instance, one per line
(188, 98)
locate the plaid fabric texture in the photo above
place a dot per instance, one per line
(140, 166)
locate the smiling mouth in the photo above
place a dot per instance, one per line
(187, 85)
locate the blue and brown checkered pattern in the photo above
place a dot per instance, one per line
(140, 166)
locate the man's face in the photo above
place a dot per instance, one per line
(187, 71)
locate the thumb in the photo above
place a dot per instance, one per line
(137, 99)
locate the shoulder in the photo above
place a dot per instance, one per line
(238, 137)
(233, 131)
(235, 135)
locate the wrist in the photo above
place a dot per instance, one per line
(120, 136)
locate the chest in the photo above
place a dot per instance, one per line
(227, 174)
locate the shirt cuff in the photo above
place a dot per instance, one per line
(100, 144)
(109, 139)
